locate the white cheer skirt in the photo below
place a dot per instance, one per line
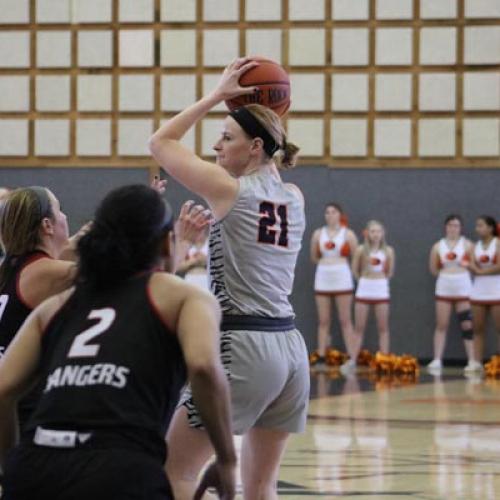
(486, 290)
(373, 291)
(332, 279)
(453, 287)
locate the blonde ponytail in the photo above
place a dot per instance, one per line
(286, 156)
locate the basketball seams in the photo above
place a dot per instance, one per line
(273, 83)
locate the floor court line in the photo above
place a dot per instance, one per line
(370, 441)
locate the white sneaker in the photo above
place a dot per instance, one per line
(435, 366)
(348, 367)
(473, 366)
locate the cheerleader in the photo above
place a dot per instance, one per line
(373, 267)
(194, 266)
(485, 295)
(331, 247)
(449, 262)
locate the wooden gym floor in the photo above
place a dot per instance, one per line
(436, 439)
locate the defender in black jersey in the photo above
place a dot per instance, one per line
(34, 233)
(111, 356)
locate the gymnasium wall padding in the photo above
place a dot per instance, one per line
(411, 202)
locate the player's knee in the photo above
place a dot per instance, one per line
(345, 323)
(324, 323)
(465, 318)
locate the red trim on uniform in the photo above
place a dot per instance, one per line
(451, 299)
(371, 301)
(340, 292)
(485, 302)
(37, 256)
(154, 307)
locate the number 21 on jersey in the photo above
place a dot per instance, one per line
(269, 216)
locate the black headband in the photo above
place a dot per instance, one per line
(43, 200)
(254, 128)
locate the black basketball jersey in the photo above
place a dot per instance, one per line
(13, 309)
(110, 366)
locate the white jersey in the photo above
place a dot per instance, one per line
(254, 249)
(196, 250)
(377, 262)
(333, 247)
(452, 257)
(486, 257)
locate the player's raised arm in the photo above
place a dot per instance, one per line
(206, 179)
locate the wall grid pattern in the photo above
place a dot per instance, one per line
(375, 83)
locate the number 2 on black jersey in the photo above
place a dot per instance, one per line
(269, 215)
(80, 348)
(3, 304)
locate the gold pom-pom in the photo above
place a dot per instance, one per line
(492, 367)
(335, 357)
(314, 357)
(365, 358)
(391, 364)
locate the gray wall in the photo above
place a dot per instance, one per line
(411, 203)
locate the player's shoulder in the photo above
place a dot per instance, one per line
(350, 233)
(47, 268)
(166, 287)
(168, 294)
(293, 188)
(51, 306)
(360, 249)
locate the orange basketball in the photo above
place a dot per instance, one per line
(273, 84)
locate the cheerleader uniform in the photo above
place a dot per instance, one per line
(374, 291)
(455, 286)
(486, 288)
(198, 275)
(333, 279)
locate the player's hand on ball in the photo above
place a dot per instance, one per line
(229, 84)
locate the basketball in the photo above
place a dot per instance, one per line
(273, 84)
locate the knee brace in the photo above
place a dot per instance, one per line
(464, 316)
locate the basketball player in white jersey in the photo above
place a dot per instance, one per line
(254, 245)
(485, 295)
(331, 246)
(449, 261)
(373, 267)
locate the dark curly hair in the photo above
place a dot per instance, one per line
(125, 238)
